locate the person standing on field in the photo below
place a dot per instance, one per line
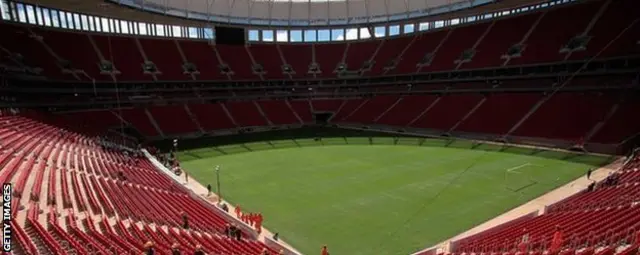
(209, 189)
(324, 251)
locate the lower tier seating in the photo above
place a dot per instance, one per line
(602, 220)
(100, 198)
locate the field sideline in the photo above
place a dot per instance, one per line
(395, 197)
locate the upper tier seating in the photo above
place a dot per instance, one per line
(25, 46)
(299, 57)
(125, 56)
(165, 55)
(539, 47)
(328, 56)
(618, 16)
(204, 57)
(504, 34)
(81, 56)
(459, 40)
(237, 57)
(388, 54)
(269, 59)
(359, 53)
(542, 36)
(423, 49)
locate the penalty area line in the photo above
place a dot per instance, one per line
(513, 169)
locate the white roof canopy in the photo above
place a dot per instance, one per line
(300, 12)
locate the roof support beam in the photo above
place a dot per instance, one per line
(309, 11)
(406, 6)
(328, 13)
(250, 10)
(210, 4)
(386, 9)
(289, 15)
(347, 4)
(270, 12)
(233, 3)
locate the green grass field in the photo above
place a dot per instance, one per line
(379, 196)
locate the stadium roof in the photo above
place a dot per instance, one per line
(301, 12)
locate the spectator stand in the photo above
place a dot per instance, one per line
(196, 188)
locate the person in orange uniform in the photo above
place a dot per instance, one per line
(251, 219)
(238, 211)
(524, 242)
(556, 243)
(258, 221)
(324, 251)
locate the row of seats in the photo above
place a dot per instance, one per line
(602, 28)
(614, 196)
(84, 180)
(575, 115)
(117, 238)
(603, 221)
(183, 119)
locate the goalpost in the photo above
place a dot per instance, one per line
(519, 177)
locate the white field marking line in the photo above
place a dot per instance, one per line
(395, 197)
(513, 169)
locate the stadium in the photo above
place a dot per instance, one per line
(342, 127)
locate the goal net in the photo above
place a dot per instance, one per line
(520, 177)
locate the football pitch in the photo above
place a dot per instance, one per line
(379, 195)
